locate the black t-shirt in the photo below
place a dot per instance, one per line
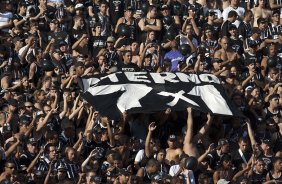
(26, 158)
(58, 36)
(214, 160)
(244, 30)
(96, 43)
(123, 42)
(131, 67)
(90, 4)
(75, 34)
(236, 46)
(215, 29)
(116, 8)
(258, 178)
(268, 161)
(89, 146)
(225, 28)
(237, 159)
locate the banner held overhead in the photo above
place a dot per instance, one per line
(137, 92)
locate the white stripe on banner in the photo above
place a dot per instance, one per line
(149, 92)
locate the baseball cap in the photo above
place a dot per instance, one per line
(266, 141)
(63, 43)
(164, 7)
(61, 167)
(249, 88)
(111, 39)
(31, 141)
(24, 120)
(172, 138)
(13, 102)
(79, 6)
(249, 61)
(222, 181)
(222, 142)
(191, 7)
(54, 21)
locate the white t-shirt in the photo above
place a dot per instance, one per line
(56, 1)
(139, 156)
(173, 170)
(240, 11)
(217, 12)
(22, 49)
(4, 19)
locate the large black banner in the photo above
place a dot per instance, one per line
(150, 92)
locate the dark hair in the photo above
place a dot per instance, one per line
(232, 14)
(104, 2)
(248, 12)
(167, 63)
(116, 156)
(243, 139)
(152, 162)
(76, 17)
(225, 157)
(47, 147)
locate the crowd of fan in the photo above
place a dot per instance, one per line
(49, 134)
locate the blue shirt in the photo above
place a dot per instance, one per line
(175, 57)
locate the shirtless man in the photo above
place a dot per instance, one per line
(135, 55)
(225, 54)
(260, 11)
(173, 153)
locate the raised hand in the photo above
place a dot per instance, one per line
(168, 111)
(152, 126)
(209, 116)
(189, 110)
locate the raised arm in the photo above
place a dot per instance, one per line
(34, 161)
(31, 125)
(246, 81)
(74, 113)
(189, 132)
(79, 140)
(110, 133)
(251, 133)
(13, 147)
(44, 122)
(46, 180)
(151, 128)
(65, 109)
(189, 148)
(204, 129)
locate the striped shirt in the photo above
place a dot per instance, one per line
(272, 31)
(43, 164)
